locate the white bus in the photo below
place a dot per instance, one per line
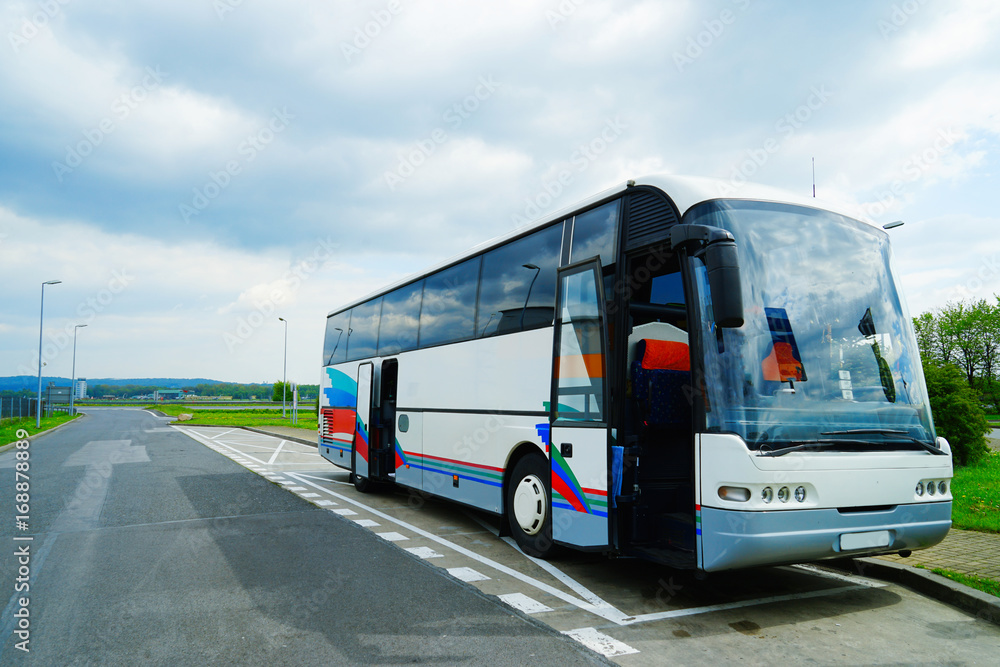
(661, 372)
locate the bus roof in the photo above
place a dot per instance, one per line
(685, 191)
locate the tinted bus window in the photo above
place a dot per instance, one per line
(335, 342)
(400, 319)
(518, 289)
(594, 234)
(363, 335)
(448, 312)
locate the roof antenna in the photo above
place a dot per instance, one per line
(814, 177)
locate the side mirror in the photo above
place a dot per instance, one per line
(717, 248)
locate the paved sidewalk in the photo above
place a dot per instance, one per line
(964, 551)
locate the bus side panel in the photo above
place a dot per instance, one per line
(338, 415)
(464, 456)
(409, 448)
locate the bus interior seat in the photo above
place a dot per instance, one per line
(660, 373)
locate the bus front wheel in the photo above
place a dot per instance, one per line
(529, 506)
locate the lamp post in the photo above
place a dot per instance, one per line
(41, 317)
(72, 382)
(284, 372)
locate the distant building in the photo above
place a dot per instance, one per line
(81, 389)
(167, 394)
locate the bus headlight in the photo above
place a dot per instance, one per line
(783, 494)
(942, 488)
(800, 494)
(931, 488)
(920, 488)
(767, 495)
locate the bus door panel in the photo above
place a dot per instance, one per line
(362, 427)
(578, 437)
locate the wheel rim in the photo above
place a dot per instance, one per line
(529, 504)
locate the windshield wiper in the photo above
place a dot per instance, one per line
(885, 431)
(812, 444)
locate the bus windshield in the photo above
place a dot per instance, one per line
(826, 353)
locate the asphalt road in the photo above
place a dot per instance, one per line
(147, 547)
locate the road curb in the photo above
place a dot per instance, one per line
(279, 435)
(983, 605)
(4, 448)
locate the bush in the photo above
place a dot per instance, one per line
(957, 413)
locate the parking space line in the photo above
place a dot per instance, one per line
(277, 450)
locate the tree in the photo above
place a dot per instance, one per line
(278, 387)
(958, 415)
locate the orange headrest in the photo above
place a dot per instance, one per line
(666, 355)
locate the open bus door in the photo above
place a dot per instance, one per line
(578, 436)
(361, 451)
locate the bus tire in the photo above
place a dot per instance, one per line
(362, 484)
(529, 506)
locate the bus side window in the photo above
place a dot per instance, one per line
(594, 234)
(363, 334)
(448, 312)
(518, 288)
(400, 319)
(335, 344)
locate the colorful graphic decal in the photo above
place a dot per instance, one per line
(361, 432)
(567, 493)
(543, 431)
(473, 472)
(697, 520)
(339, 420)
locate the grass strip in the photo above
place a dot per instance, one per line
(972, 581)
(10, 427)
(306, 420)
(975, 490)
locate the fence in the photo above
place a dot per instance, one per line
(12, 407)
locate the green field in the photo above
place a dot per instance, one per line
(306, 421)
(976, 493)
(10, 427)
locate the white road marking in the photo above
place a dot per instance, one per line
(296, 488)
(277, 450)
(308, 495)
(325, 503)
(366, 523)
(392, 537)
(522, 602)
(344, 512)
(851, 579)
(607, 646)
(424, 552)
(467, 574)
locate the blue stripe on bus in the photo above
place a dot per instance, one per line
(567, 506)
(460, 476)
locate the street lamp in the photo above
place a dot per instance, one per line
(893, 225)
(284, 372)
(41, 316)
(72, 382)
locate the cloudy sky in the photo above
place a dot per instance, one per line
(192, 170)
